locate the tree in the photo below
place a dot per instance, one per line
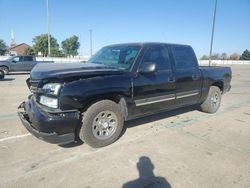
(41, 44)
(55, 52)
(3, 47)
(224, 56)
(215, 56)
(234, 56)
(245, 55)
(204, 57)
(29, 51)
(70, 46)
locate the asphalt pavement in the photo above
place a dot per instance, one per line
(181, 148)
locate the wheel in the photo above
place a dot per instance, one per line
(212, 103)
(102, 124)
(1, 74)
(4, 69)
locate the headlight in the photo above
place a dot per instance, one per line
(48, 101)
(52, 88)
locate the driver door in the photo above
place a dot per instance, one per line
(16, 64)
(154, 91)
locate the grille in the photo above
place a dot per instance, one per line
(33, 85)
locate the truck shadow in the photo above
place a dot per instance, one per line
(142, 120)
(158, 116)
(77, 142)
(7, 79)
(18, 73)
(146, 176)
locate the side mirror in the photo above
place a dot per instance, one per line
(13, 61)
(147, 67)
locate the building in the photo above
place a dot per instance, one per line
(18, 49)
(12, 40)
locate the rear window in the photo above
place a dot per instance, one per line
(27, 58)
(184, 57)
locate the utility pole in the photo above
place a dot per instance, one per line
(80, 40)
(90, 40)
(212, 37)
(48, 20)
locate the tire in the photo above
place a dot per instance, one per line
(5, 69)
(213, 100)
(1, 75)
(102, 124)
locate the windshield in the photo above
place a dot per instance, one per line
(120, 57)
(9, 58)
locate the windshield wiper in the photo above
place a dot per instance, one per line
(96, 62)
(108, 66)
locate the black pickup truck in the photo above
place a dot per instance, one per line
(92, 100)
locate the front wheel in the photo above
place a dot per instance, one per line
(102, 124)
(4, 69)
(213, 100)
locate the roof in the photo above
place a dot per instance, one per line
(146, 44)
(18, 46)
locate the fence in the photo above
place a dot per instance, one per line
(57, 59)
(85, 58)
(224, 62)
(63, 59)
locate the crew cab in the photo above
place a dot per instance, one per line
(120, 82)
(19, 63)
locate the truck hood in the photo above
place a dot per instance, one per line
(3, 61)
(64, 70)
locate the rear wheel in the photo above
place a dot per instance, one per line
(1, 74)
(4, 69)
(102, 124)
(212, 103)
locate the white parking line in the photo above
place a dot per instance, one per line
(14, 137)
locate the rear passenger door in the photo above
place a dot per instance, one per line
(154, 91)
(188, 75)
(28, 63)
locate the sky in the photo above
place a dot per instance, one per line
(122, 21)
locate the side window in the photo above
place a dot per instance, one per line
(158, 55)
(184, 57)
(27, 58)
(16, 59)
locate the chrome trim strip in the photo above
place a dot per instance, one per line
(152, 100)
(163, 98)
(187, 94)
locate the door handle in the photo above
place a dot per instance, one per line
(195, 77)
(171, 79)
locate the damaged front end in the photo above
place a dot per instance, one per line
(50, 124)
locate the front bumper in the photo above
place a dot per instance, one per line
(56, 127)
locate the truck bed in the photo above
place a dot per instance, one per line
(219, 73)
(213, 70)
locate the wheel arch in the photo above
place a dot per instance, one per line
(6, 66)
(118, 98)
(219, 84)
